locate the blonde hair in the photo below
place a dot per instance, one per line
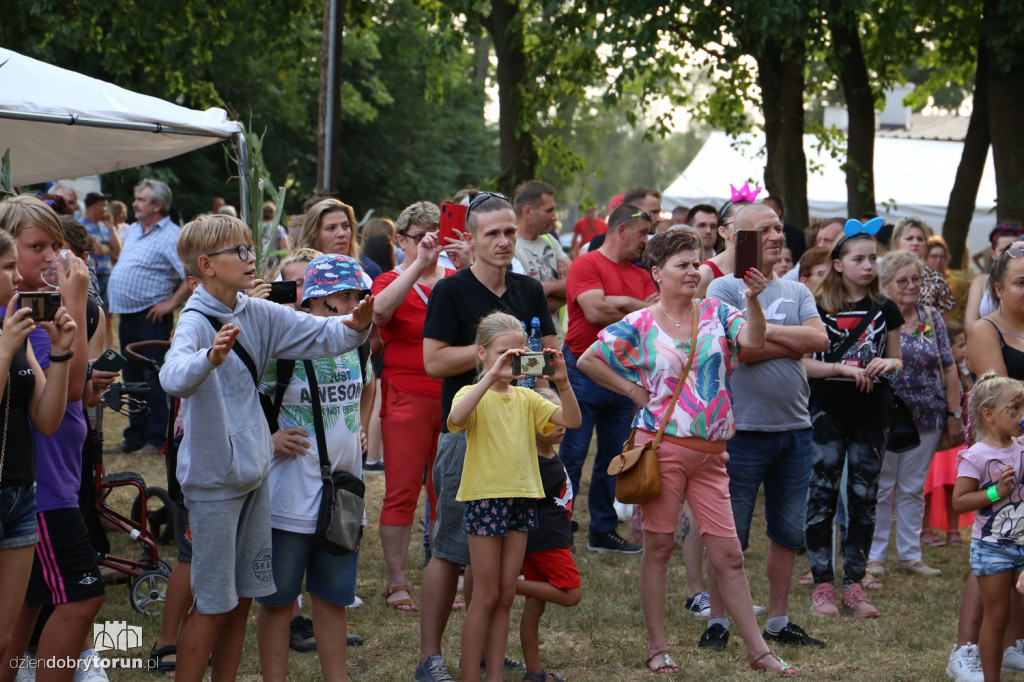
(310, 236)
(832, 293)
(904, 224)
(490, 328)
(897, 260)
(983, 396)
(296, 256)
(208, 233)
(19, 213)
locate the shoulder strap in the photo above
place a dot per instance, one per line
(272, 406)
(247, 360)
(854, 335)
(318, 421)
(682, 379)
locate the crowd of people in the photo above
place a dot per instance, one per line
(399, 354)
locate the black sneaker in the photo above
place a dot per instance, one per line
(699, 605)
(354, 640)
(715, 637)
(301, 634)
(612, 542)
(792, 634)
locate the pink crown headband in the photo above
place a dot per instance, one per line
(744, 193)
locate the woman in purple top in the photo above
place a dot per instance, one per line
(27, 400)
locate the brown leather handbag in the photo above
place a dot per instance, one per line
(637, 479)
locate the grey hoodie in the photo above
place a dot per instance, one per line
(226, 450)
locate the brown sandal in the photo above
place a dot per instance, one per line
(664, 665)
(760, 664)
(406, 604)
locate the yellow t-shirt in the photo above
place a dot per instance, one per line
(501, 447)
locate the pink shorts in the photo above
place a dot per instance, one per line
(696, 476)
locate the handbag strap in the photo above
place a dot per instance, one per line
(682, 379)
(237, 347)
(318, 421)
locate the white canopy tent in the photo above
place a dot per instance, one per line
(61, 124)
(913, 177)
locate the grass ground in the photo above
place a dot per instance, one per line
(604, 638)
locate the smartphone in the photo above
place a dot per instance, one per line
(284, 291)
(534, 364)
(43, 304)
(453, 217)
(110, 361)
(748, 252)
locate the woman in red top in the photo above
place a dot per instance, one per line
(411, 401)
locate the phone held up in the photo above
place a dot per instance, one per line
(534, 364)
(748, 252)
(110, 361)
(43, 304)
(283, 292)
(453, 217)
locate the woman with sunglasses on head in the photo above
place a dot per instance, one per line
(980, 301)
(410, 401)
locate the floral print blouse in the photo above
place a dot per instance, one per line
(926, 354)
(639, 350)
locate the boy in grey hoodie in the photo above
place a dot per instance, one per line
(224, 459)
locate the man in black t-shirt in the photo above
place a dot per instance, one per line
(456, 306)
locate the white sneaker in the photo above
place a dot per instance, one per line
(1013, 657)
(26, 673)
(90, 669)
(965, 664)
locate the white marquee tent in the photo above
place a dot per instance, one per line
(61, 124)
(913, 177)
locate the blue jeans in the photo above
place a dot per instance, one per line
(152, 429)
(861, 447)
(781, 460)
(612, 414)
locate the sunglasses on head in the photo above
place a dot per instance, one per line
(481, 198)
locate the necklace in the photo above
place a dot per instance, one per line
(678, 323)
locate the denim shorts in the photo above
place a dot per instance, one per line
(18, 517)
(990, 558)
(328, 577)
(781, 462)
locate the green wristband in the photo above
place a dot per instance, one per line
(993, 494)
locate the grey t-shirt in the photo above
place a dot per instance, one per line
(771, 395)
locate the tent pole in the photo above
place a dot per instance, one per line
(243, 176)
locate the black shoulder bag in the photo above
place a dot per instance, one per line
(339, 523)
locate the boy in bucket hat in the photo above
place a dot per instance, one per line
(334, 285)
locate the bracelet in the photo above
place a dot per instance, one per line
(993, 494)
(563, 390)
(62, 358)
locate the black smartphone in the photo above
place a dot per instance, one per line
(748, 252)
(284, 291)
(453, 217)
(110, 361)
(43, 304)
(534, 364)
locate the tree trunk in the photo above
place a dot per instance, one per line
(780, 73)
(860, 105)
(328, 138)
(964, 195)
(519, 158)
(1006, 101)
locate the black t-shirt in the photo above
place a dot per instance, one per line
(19, 467)
(554, 530)
(840, 396)
(458, 303)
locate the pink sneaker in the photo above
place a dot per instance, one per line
(823, 601)
(855, 600)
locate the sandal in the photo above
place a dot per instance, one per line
(932, 539)
(406, 604)
(953, 538)
(759, 663)
(667, 666)
(870, 581)
(807, 579)
(542, 676)
(459, 603)
(156, 658)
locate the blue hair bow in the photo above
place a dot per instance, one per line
(855, 227)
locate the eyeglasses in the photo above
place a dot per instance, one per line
(904, 282)
(417, 238)
(1014, 251)
(242, 250)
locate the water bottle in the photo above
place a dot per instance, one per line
(533, 342)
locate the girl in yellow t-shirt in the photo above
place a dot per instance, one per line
(501, 480)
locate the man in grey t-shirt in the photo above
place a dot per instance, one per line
(772, 445)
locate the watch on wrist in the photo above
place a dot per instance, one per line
(954, 415)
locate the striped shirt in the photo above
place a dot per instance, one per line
(148, 270)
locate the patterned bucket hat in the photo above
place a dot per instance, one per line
(329, 273)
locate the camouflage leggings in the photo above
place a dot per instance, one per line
(862, 447)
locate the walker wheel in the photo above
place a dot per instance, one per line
(149, 592)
